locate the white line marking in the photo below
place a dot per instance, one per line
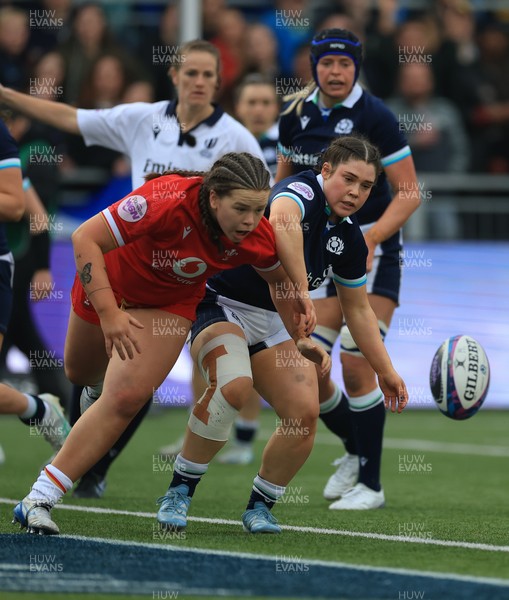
(412, 444)
(299, 529)
(323, 563)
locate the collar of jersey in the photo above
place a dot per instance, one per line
(171, 111)
(327, 210)
(348, 102)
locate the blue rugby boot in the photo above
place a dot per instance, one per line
(35, 516)
(174, 506)
(260, 520)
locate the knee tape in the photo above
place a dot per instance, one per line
(221, 361)
(325, 337)
(348, 345)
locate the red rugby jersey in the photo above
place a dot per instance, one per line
(165, 254)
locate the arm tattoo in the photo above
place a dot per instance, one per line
(84, 275)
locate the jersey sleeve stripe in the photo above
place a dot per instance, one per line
(351, 283)
(293, 197)
(112, 227)
(274, 266)
(396, 156)
(10, 163)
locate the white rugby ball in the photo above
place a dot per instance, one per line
(459, 377)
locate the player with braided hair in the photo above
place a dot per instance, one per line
(163, 255)
(190, 132)
(238, 333)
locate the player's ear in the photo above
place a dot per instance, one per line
(213, 199)
(326, 170)
(172, 74)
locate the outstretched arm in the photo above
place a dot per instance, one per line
(61, 116)
(363, 325)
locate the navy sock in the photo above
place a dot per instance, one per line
(339, 421)
(369, 428)
(191, 482)
(243, 434)
(39, 413)
(257, 497)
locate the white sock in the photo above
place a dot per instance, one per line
(31, 408)
(50, 486)
(270, 491)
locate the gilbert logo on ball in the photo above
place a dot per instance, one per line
(459, 377)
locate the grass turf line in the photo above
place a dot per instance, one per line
(459, 498)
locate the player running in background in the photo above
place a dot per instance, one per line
(169, 236)
(335, 105)
(43, 411)
(187, 133)
(237, 333)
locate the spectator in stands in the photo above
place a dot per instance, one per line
(257, 108)
(290, 20)
(139, 91)
(230, 40)
(435, 132)
(301, 68)
(157, 50)
(262, 51)
(432, 124)
(103, 87)
(491, 116)
(90, 39)
(50, 25)
(211, 15)
(47, 79)
(14, 36)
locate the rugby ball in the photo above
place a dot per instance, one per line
(459, 377)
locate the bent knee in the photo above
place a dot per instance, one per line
(238, 392)
(126, 402)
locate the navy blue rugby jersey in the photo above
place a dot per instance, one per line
(9, 158)
(302, 139)
(338, 247)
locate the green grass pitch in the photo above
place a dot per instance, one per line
(443, 480)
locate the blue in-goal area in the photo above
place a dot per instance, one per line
(30, 563)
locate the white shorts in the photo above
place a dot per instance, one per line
(262, 328)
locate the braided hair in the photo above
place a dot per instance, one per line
(233, 171)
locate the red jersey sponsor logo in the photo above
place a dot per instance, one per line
(132, 209)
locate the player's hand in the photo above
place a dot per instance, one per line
(394, 390)
(118, 329)
(304, 314)
(314, 353)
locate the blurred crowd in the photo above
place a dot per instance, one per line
(443, 70)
